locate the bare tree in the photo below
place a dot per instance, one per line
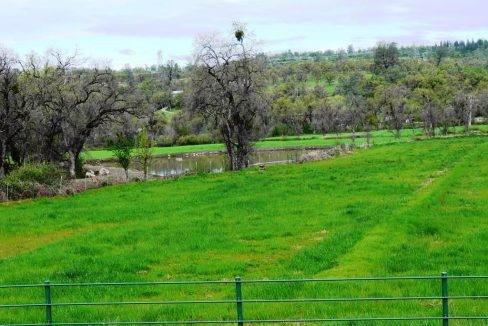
(465, 105)
(324, 117)
(226, 87)
(354, 116)
(483, 103)
(447, 119)
(45, 82)
(13, 109)
(430, 106)
(392, 100)
(75, 102)
(430, 116)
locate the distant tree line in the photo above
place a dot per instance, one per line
(53, 107)
(386, 91)
(457, 48)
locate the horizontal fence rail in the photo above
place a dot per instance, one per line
(241, 303)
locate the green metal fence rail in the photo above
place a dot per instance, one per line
(240, 302)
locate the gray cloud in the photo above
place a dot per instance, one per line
(152, 18)
(104, 27)
(195, 17)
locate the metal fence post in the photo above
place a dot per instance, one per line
(445, 300)
(47, 294)
(240, 315)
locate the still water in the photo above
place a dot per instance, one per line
(180, 164)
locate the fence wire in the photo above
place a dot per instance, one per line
(245, 301)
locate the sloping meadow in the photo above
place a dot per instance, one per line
(414, 208)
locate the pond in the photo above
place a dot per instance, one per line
(174, 165)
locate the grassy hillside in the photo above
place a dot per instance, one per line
(415, 208)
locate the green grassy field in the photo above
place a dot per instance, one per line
(413, 208)
(378, 137)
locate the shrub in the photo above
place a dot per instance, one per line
(164, 141)
(122, 148)
(282, 129)
(31, 180)
(46, 174)
(195, 140)
(143, 150)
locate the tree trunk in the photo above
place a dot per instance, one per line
(227, 137)
(230, 156)
(126, 174)
(17, 155)
(72, 164)
(242, 159)
(3, 150)
(237, 149)
(145, 168)
(243, 147)
(398, 133)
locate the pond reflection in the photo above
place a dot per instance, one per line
(174, 165)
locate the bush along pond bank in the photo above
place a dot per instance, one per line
(32, 180)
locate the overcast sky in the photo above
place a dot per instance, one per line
(133, 31)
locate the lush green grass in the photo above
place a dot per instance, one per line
(415, 208)
(104, 154)
(378, 137)
(329, 87)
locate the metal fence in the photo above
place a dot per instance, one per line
(442, 296)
